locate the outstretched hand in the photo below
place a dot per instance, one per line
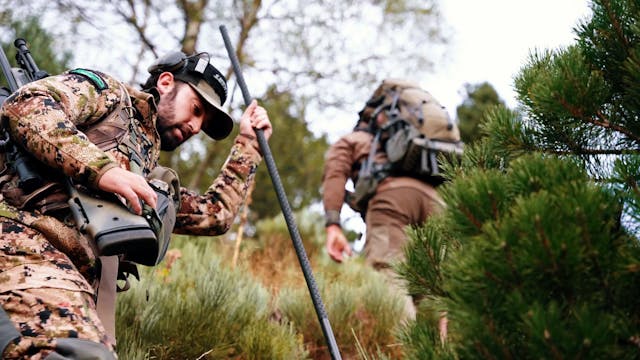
(337, 244)
(255, 117)
(130, 186)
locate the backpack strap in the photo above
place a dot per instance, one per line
(106, 299)
(8, 331)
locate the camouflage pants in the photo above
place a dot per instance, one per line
(43, 294)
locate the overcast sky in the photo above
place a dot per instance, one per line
(493, 38)
(491, 42)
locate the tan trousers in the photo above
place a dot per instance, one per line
(389, 214)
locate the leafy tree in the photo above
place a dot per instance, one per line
(536, 255)
(300, 171)
(41, 46)
(471, 113)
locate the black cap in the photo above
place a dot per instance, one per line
(207, 81)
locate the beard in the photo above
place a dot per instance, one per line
(165, 119)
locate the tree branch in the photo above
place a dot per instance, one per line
(605, 123)
(140, 29)
(248, 20)
(585, 151)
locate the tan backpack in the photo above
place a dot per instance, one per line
(418, 129)
(417, 132)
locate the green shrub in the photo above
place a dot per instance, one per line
(364, 316)
(199, 309)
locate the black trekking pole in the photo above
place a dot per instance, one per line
(286, 208)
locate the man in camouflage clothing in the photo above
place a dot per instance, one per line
(50, 272)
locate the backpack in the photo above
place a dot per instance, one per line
(418, 131)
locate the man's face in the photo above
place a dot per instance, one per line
(181, 113)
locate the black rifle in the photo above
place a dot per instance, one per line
(28, 71)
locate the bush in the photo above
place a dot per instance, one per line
(363, 314)
(200, 308)
(195, 308)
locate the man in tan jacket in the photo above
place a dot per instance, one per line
(399, 200)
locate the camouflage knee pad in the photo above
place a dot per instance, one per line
(67, 349)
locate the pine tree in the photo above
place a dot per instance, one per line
(537, 255)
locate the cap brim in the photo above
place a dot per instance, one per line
(218, 124)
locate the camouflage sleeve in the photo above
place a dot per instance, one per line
(44, 116)
(214, 212)
(339, 161)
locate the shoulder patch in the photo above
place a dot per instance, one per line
(95, 79)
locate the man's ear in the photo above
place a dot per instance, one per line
(165, 83)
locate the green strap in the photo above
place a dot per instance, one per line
(8, 332)
(95, 79)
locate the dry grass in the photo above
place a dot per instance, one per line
(281, 321)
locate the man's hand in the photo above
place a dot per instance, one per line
(255, 117)
(130, 186)
(337, 243)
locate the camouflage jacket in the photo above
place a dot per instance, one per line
(49, 117)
